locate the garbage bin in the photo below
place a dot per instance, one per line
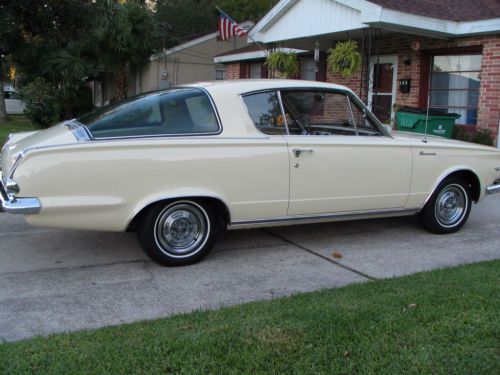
(439, 122)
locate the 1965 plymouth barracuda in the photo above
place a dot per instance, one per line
(178, 165)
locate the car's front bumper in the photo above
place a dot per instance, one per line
(14, 205)
(493, 188)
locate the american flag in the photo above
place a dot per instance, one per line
(229, 28)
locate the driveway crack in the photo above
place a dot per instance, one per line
(312, 252)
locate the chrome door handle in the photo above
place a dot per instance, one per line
(298, 151)
(423, 153)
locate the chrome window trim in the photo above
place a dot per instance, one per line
(80, 131)
(372, 117)
(352, 115)
(174, 135)
(283, 113)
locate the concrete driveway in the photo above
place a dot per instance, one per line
(60, 280)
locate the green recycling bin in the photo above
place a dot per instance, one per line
(439, 123)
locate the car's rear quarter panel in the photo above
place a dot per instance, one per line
(102, 185)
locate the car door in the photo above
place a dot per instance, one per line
(340, 160)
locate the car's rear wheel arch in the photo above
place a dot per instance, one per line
(219, 208)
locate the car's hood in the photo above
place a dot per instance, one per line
(433, 141)
(22, 142)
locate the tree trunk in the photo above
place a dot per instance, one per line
(121, 82)
(3, 110)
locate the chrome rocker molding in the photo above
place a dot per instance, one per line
(13, 205)
(493, 189)
(302, 219)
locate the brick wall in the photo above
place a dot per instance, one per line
(489, 94)
(233, 71)
(400, 45)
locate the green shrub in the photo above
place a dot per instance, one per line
(482, 136)
(284, 63)
(42, 105)
(75, 102)
(344, 58)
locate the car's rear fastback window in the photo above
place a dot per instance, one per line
(175, 112)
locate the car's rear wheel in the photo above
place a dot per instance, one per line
(177, 233)
(448, 208)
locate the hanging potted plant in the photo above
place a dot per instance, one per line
(344, 58)
(282, 64)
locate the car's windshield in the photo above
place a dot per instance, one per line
(174, 112)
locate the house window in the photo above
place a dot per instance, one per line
(220, 74)
(256, 70)
(308, 69)
(454, 85)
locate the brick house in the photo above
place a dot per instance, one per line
(445, 53)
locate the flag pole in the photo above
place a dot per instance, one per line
(248, 36)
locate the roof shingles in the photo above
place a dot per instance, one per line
(453, 10)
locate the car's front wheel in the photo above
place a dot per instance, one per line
(448, 208)
(177, 233)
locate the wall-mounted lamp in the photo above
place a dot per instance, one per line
(407, 59)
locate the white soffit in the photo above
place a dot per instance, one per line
(294, 19)
(253, 55)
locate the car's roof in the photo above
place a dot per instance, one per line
(248, 85)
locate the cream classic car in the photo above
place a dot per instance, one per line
(177, 165)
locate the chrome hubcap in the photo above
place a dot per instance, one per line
(181, 230)
(451, 205)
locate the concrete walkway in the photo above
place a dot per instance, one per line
(59, 280)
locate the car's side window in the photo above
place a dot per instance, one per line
(318, 112)
(176, 112)
(265, 111)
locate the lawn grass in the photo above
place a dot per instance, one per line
(440, 322)
(16, 124)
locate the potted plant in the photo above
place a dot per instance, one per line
(344, 58)
(282, 64)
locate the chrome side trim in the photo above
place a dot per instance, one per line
(18, 160)
(298, 219)
(493, 188)
(6, 144)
